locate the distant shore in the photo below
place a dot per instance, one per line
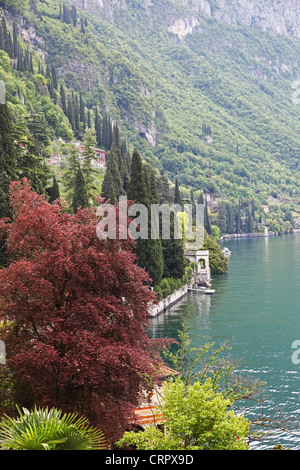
(232, 236)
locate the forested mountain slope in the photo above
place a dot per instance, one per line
(208, 99)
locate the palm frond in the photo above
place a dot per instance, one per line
(49, 429)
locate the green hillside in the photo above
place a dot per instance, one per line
(213, 108)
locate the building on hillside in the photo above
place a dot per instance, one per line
(100, 154)
(100, 159)
(21, 145)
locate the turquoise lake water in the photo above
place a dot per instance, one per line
(256, 308)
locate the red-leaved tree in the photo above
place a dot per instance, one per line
(74, 312)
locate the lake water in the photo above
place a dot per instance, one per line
(256, 308)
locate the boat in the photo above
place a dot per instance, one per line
(210, 291)
(203, 290)
(226, 251)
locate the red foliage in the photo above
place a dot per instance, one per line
(75, 311)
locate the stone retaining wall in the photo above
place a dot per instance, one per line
(166, 303)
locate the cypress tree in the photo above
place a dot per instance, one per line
(163, 189)
(137, 189)
(110, 133)
(89, 155)
(31, 69)
(221, 219)
(124, 174)
(127, 161)
(177, 197)
(153, 188)
(173, 252)
(193, 205)
(138, 193)
(67, 15)
(207, 224)
(149, 252)
(4, 34)
(82, 29)
(71, 113)
(238, 218)
(201, 198)
(74, 15)
(112, 195)
(76, 115)
(53, 191)
(52, 91)
(41, 68)
(26, 61)
(229, 219)
(60, 12)
(123, 147)
(116, 136)
(80, 198)
(48, 71)
(248, 222)
(156, 261)
(20, 60)
(107, 132)
(82, 110)
(253, 209)
(112, 176)
(98, 128)
(30, 164)
(7, 156)
(9, 46)
(37, 125)
(173, 249)
(1, 37)
(104, 131)
(54, 76)
(15, 40)
(72, 167)
(8, 171)
(63, 99)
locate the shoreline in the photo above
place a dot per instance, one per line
(232, 236)
(167, 302)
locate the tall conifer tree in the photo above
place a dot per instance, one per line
(89, 155)
(98, 128)
(63, 99)
(112, 176)
(148, 251)
(15, 40)
(53, 191)
(177, 197)
(8, 170)
(156, 261)
(72, 167)
(82, 110)
(207, 224)
(238, 218)
(80, 198)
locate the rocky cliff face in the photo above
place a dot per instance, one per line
(280, 17)
(100, 7)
